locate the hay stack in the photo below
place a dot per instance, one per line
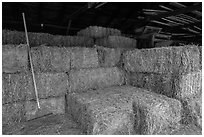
(19, 87)
(83, 58)
(109, 111)
(195, 107)
(14, 58)
(12, 114)
(158, 83)
(84, 79)
(189, 85)
(49, 105)
(13, 37)
(51, 59)
(180, 60)
(109, 57)
(98, 32)
(116, 42)
(155, 114)
(103, 111)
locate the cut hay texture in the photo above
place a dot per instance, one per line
(47, 106)
(195, 107)
(14, 58)
(155, 113)
(158, 83)
(51, 59)
(109, 111)
(109, 57)
(179, 60)
(116, 42)
(72, 41)
(84, 79)
(12, 114)
(19, 87)
(189, 85)
(83, 58)
(98, 32)
(13, 37)
(18, 37)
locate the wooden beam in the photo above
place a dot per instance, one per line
(176, 12)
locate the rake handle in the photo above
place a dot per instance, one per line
(31, 64)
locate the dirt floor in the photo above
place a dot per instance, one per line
(64, 125)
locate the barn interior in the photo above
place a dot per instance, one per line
(102, 68)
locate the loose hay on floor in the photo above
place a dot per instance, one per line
(51, 59)
(19, 87)
(98, 32)
(158, 83)
(49, 105)
(189, 85)
(180, 60)
(109, 111)
(116, 42)
(12, 114)
(109, 57)
(84, 79)
(83, 58)
(14, 58)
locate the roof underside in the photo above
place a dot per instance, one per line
(183, 21)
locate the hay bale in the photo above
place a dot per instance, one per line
(189, 85)
(84, 79)
(13, 37)
(116, 42)
(109, 57)
(19, 87)
(12, 88)
(98, 32)
(14, 58)
(104, 111)
(158, 83)
(155, 114)
(180, 60)
(49, 105)
(51, 59)
(195, 107)
(109, 110)
(83, 58)
(12, 114)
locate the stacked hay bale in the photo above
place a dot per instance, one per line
(171, 71)
(108, 37)
(110, 111)
(36, 39)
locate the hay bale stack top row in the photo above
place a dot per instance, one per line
(177, 60)
(37, 39)
(58, 59)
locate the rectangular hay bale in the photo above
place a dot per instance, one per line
(109, 111)
(14, 58)
(109, 57)
(156, 114)
(98, 32)
(158, 83)
(83, 58)
(12, 114)
(84, 79)
(116, 42)
(188, 85)
(48, 105)
(51, 59)
(180, 60)
(19, 87)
